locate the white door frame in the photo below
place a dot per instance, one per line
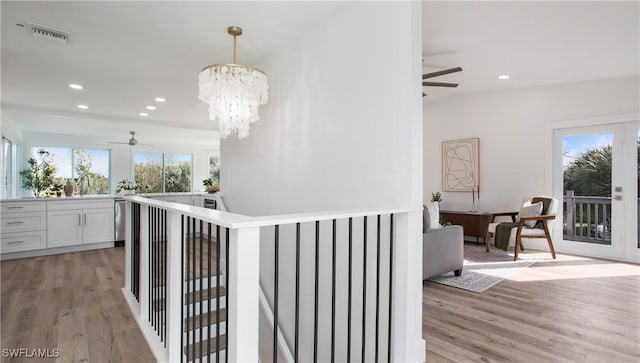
(627, 247)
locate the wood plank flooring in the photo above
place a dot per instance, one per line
(573, 309)
(72, 302)
(570, 310)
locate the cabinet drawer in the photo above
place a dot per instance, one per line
(16, 222)
(23, 241)
(21, 207)
(81, 204)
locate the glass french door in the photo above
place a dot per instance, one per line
(596, 178)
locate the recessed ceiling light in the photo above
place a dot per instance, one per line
(503, 76)
(83, 107)
(143, 114)
(75, 86)
(160, 99)
(151, 107)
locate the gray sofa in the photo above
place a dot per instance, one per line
(442, 249)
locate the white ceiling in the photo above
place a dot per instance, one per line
(536, 43)
(127, 53)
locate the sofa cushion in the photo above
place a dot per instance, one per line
(530, 210)
(431, 216)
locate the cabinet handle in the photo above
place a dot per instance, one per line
(15, 207)
(79, 222)
(15, 242)
(85, 219)
(20, 222)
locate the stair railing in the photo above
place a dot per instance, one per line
(192, 281)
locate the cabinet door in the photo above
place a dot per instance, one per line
(64, 228)
(98, 225)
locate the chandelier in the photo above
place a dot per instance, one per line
(233, 92)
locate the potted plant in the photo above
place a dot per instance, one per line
(126, 187)
(39, 176)
(57, 188)
(210, 185)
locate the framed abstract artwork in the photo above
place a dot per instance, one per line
(461, 165)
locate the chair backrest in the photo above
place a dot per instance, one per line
(552, 210)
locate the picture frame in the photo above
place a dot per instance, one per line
(461, 165)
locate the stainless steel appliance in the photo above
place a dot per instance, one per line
(120, 215)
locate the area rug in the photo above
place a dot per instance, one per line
(483, 270)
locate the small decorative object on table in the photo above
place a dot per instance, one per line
(436, 197)
(210, 185)
(126, 187)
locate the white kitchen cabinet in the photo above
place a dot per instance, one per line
(23, 225)
(64, 228)
(80, 222)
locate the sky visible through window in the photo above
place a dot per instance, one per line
(61, 157)
(573, 146)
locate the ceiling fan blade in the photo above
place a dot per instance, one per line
(114, 142)
(441, 73)
(144, 145)
(439, 84)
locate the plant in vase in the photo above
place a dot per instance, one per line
(40, 176)
(125, 187)
(210, 185)
(57, 187)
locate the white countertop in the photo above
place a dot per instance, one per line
(100, 196)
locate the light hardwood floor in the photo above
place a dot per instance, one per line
(72, 302)
(573, 309)
(569, 310)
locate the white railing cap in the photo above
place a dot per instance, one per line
(232, 220)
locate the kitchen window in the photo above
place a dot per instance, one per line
(74, 163)
(157, 172)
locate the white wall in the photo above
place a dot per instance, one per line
(342, 130)
(513, 129)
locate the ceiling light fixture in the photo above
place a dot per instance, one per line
(233, 92)
(503, 76)
(143, 114)
(75, 86)
(83, 107)
(151, 107)
(160, 99)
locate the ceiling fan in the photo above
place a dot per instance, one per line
(439, 73)
(132, 141)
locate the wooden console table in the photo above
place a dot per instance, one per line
(475, 224)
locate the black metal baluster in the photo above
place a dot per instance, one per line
(390, 286)
(333, 296)
(218, 294)
(349, 292)
(188, 258)
(377, 286)
(201, 286)
(315, 313)
(275, 295)
(364, 292)
(193, 285)
(209, 271)
(151, 267)
(295, 356)
(181, 287)
(226, 354)
(164, 275)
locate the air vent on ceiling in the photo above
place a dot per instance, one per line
(42, 31)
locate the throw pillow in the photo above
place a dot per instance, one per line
(530, 210)
(433, 213)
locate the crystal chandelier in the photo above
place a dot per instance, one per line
(233, 92)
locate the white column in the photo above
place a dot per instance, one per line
(144, 262)
(407, 344)
(243, 294)
(174, 281)
(127, 248)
